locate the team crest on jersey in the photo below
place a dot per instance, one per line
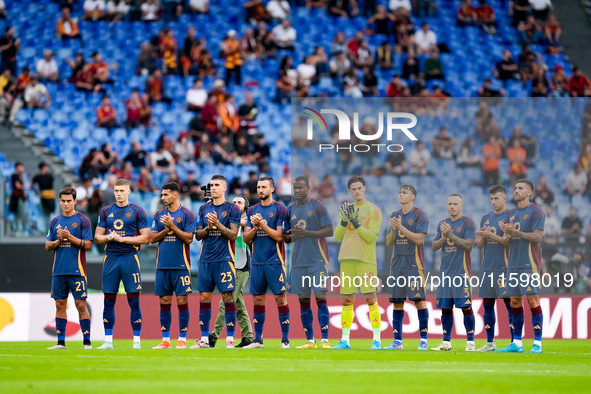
(525, 216)
(310, 214)
(74, 225)
(410, 222)
(224, 214)
(271, 214)
(459, 229)
(178, 220)
(118, 224)
(128, 215)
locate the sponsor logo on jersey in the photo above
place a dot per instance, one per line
(118, 224)
(293, 217)
(111, 216)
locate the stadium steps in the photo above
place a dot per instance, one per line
(576, 33)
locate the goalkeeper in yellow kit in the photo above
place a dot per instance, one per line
(358, 229)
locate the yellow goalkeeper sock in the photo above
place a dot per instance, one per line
(347, 316)
(375, 317)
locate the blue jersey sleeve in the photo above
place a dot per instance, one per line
(470, 229)
(538, 219)
(482, 222)
(86, 229)
(438, 233)
(235, 214)
(142, 220)
(51, 234)
(199, 219)
(156, 225)
(249, 213)
(281, 215)
(189, 223)
(422, 223)
(325, 219)
(287, 222)
(102, 219)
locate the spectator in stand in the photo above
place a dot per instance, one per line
(134, 107)
(492, 154)
(394, 87)
(365, 56)
(162, 164)
(400, 7)
(247, 113)
(326, 189)
(35, 93)
(384, 56)
(90, 164)
(576, 182)
(585, 159)
(283, 190)
(107, 158)
(383, 21)
(578, 84)
(229, 115)
(196, 96)
(433, 68)
(199, 6)
(156, 89)
(540, 84)
(529, 143)
(284, 35)
(506, 68)
(559, 82)
(552, 231)
(351, 84)
(307, 71)
(553, 32)
(93, 9)
(410, 67)
(353, 44)
(250, 188)
(150, 11)
(486, 18)
(117, 10)
(47, 70)
(147, 59)
(106, 114)
(67, 27)
(137, 157)
(572, 224)
(343, 8)
(146, 110)
(101, 69)
(249, 46)
(76, 66)
(419, 84)
(517, 156)
(145, 183)
(370, 83)
(204, 150)
(531, 31)
(18, 198)
(255, 11)
(419, 160)
(528, 68)
(425, 39)
(486, 125)
(9, 46)
(43, 184)
(278, 9)
(466, 14)
(487, 91)
(209, 114)
(125, 171)
(262, 152)
(233, 59)
(264, 38)
(168, 49)
(541, 9)
(243, 151)
(339, 65)
(443, 145)
(301, 89)
(542, 193)
(404, 29)
(520, 10)
(395, 164)
(338, 44)
(7, 93)
(466, 157)
(191, 188)
(320, 60)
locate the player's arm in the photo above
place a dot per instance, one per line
(249, 233)
(142, 239)
(464, 243)
(341, 228)
(391, 237)
(201, 233)
(100, 237)
(417, 238)
(77, 242)
(480, 241)
(52, 245)
(370, 235)
(275, 234)
(230, 233)
(439, 239)
(157, 236)
(535, 237)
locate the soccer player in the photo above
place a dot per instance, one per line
(173, 229)
(408, 227)
(242, 259)
(69, 237)
(494, 264)
(307, 225)
(358, 229)
(455, 236)
(123, 226)
(264, 228)
(524, 229)
(217, 226)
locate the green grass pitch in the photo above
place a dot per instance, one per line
(565, 366)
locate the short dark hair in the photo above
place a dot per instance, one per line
(355, 179)
(42, 165)
(172, 186)
(219, 178)
(268, 178)
(497, 189)
(457, 195)
(246, 201)
(18, 163)
(410, 188)
(68, 191)
(303, 179)
(527, 182)
(123, 182)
